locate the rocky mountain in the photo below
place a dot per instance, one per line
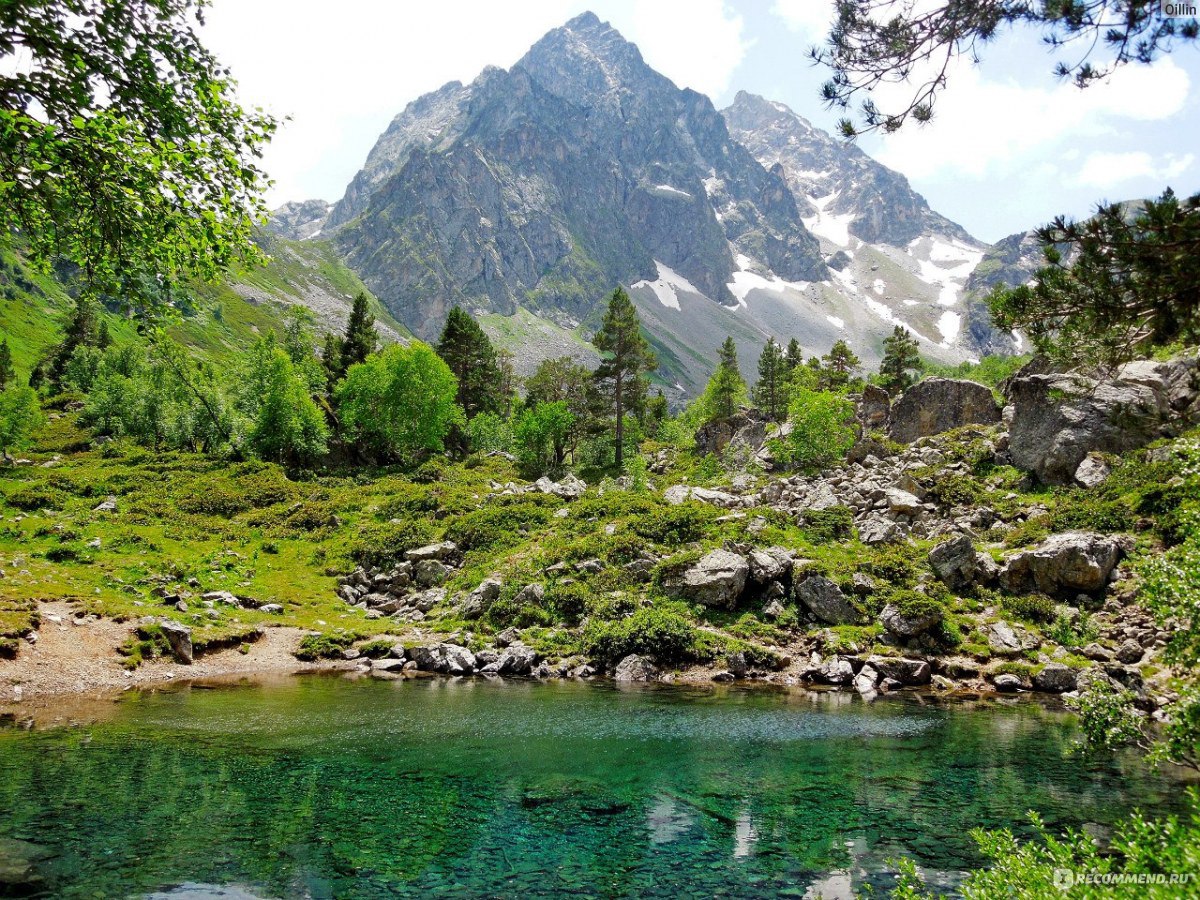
(528, 194)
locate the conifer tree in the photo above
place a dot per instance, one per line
(361, 339)
(727, 386)
(795, 355)
(627, 357)
(7, 373)
(839, 366)
(770, 393)
(900, 359)
(331, 360)
(465, 348)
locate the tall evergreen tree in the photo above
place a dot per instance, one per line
(80, 331)
(795, 355)
(7, 373)
(465, 348)
(900, 361)
(840, 365)
(361, 339)
(770, 393)
(331, 361)
(726, 388)
(626, 358)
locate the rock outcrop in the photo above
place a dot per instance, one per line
(1067, 563)
(1059, 419)
(934, 405)
(716, 579)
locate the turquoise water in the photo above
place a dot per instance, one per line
(330, 787)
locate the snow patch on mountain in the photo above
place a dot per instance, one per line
(665, 286)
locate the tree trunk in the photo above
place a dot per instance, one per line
(620, 408)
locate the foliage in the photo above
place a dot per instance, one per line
(7, 372)
(540, 434)
(770, 392)
(659, 632)
(326, 645)
(489, 432)
(399, 404)
(1115, 286)
(825, 526)
(838, 367)
(620, 377)
(822, 428)
(901, 361)
(122, 146)
(288, 427)
(469, 353)
(20, 415)
(872, 44)
(361, 339)
(726, 390)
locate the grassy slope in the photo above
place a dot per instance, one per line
(226, 317)
(252, 529)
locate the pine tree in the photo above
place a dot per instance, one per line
(331, 361)
(726, 388)
(7, 373)
(770, 393)
(465, 348)
(103, 338)
(627, 357)
(839, 366)
(900, 359)
(80, 331)
(361, 340)
(795, 355)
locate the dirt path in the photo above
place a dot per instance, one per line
(79, 656)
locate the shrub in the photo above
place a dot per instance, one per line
(568, 602)
(324, 645)
(36, 496)
(500, 524)
(654, 631)
(954, 489)
(822, 428)
(383, 542)
(380, 648)
(674, 525)
(1030, 607)
(826, 526)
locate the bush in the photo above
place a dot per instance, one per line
(500, 524)
(822, 428)
(324, 646)
(827, 526)
(383, 542)
(380, 648)
(36, 496)
(654, 631)
(568, 602)
(1037, 608)
(675, 525)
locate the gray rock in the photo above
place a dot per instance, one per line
(446, 659)
(681, 493)
(910, 626)
(771, 564)
(274, 609)
(1007, 683)
(716, 579)
(440, 551)
(1092, 471)
(109, 505)
(744, 428)
(774, 610)
(531, 595)
(866, 680)
(934, 405)
(517, 659)
(426, 600)
(1003, 639)
(875, 407)
(1064, 563)
(392, 664)
(507, 636)
(430, 572)
(1055, 678)
(901, 502)
(19, 876)
(827, 602)
(570, 488)
(901, 669)
(635, 668)
(875, 529)
(835, 670)
(959, 565)
(738, 666)
(1129, 652)
(180, 638)
(1058, 419)
(480, 600)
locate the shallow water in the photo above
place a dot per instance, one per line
(329, 787)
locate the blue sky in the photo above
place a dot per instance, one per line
(1010, 147)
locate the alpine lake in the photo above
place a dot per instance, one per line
(329, 786)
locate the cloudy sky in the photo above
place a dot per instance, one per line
(1010, 148)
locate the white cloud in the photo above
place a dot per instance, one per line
(1106, 170)
(988, 128)
(342, 71)
(810, 18)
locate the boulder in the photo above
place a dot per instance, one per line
(1070, 562)
(1092, 471)
(1129, 652)
(1003, 639)
(907, 626)
(827, 602)
(1007, 683)
(901, 503)
(517, 659)
(771, 564)
(959, 565)
(635, 668)
(532, 594)
(19, 876)
(875, 529)
(747, 427)
(180, 638)
(681, 493)
(1058, 419)
(866, 680)
(874, 407)
(441, 551)
(430, 572)
(835, 670)
(934, 405)
(570, 488)
(480, 599)
(446, 659)
(901, 669)
(716, 579)
(1055, 678)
